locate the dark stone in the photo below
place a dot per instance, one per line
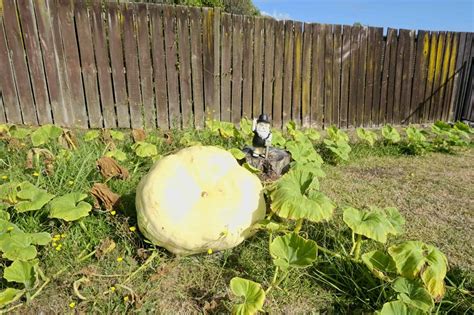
(273, 167)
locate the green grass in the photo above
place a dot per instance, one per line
(433, 192)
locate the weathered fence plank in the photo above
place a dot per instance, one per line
(437, 76)
(401, 47)
(195, 28)
(306, 76)
(447, 110)
(35, 61)
(159, 66)
(257, 89)
(7, 82)
(354, 76)
(237, 50)
(345, 78)
(407, 76)
(226, 66)
(419, 75)
(336, 76)
(103, 66)
(378, 66)
(211, 42)
(444, 75)
(145, 67)
(370, 80)
(328, 75)
(247, 67)
(317, 86)
(3, 118)
(185, 81)
(88, 68)
(361, 78)
(269, 59)
(278, 73)
(392, 112)
(297, 59)
(458, 74)
(430, 76)
(287, 72)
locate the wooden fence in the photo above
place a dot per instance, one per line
(101, 64)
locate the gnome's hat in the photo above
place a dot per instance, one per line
(263, 118)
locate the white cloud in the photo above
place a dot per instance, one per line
(277, 15)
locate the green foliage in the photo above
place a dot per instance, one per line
(21, 272)
(10, 295)
(416, 142)
(91, 135)
(29, 197)
(253, 295)
(366, 135)
(293, 251)
(144, 149)
(44, 134)
(390, 134)
(19, 133)
(69, 207)
(413, 294)
(337, 144)
(117, 154)
(237, 153)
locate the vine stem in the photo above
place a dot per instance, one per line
(299, 225)
(145, 264)
(358, 247)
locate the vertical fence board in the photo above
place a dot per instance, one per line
(447, 112)
(159, 66)
(88, 68)
(336, 73)
(103, 66)
(362, 73)
(297, 58)
(226, 65)
(278, 73)
(345, 75)
(72, 63)
(390, 112)
(3, 118)
(247, 67)
(145, 67)
(370, 79)
(211, 63)
(117, 65)
(237, 29)
(352, 119)
(468, 51)
(428, 98)
(378, 66)
(269, 56)
(458, 74)
(317, 86)
(287, 72)
(131, 63)
(258, 67)
(437, 76)
(407, 76)
(172, 75)
(444, 75)
(419, 75)
(20, 66)
(306, 76)
(195, 28)
(386, 47)
(397, 103)
(328, 75)
(185, 81)
(7, 82)
(35, 61)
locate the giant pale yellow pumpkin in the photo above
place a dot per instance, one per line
(198, 199)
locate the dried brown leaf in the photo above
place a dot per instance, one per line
(106, 138)
(138, 135)
(37, 153)
(68, 140)
(168, 138)
(104, 197)
(109, 168)
(106, 246)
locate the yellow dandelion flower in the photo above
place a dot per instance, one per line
(70, 183)
(36, 174)
(132, 229)
(10, 228)
(55, 244)
(112, 289)
(72, 304)
(4, 177)
(125, 298)
(119, 259)
(113, 212)
(58, 248)
(63, 235)
(209, 251)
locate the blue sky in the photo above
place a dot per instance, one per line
(436, 15)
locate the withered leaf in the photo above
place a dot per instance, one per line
(168, 138)
(109, 168)
(68, 140)
(104, 197)
(138, 135)
(33, 156)
(106, 246)
(106, 138)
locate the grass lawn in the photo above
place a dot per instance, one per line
(103, 264)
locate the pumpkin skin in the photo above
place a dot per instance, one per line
(198, 199)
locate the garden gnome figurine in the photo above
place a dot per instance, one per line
(262, 138)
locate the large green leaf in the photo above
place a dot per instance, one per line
(379, 263)
(31, 197)
(19, 133)
(413, 293)
(69, 207)
(117, 135)
(277, 139)
(246, 127)
(340, 148)
(336, 134)
(45, 133)
(4, 215)
(8, 192)
(237, 153)
(291, 250)
(16, 245)
(10, 295)
(294, 197)
(41, 238)
(145, 149)
(415, 258)
(253, 295)
(303, 152)
(369, 136)
(21, 272)
(91, 135)
(117, 154)
(372, 224)
(390, 134)
(398, 308)
(312, 134)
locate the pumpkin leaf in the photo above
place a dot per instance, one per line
(253, 295)
(415, 258)
(390, 134)
(19, 133)
(303, 152)
(91, 135)
(246, 127)
(366, 135)
(312, 134)
(237, 153)
(41, 238)
(16, 245)
(31, 198)
(291, 250)
(145, 149)
(117, 154)
(69, 207)
(371, 224)
(251, 169)
(4, 215)
(294, 197)
(413, 293)
(379, 263)
(117, 135)
(44, 134)
(21, 272)
(8, 192)
(398, 308)
(10, 295)
(278, 139)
